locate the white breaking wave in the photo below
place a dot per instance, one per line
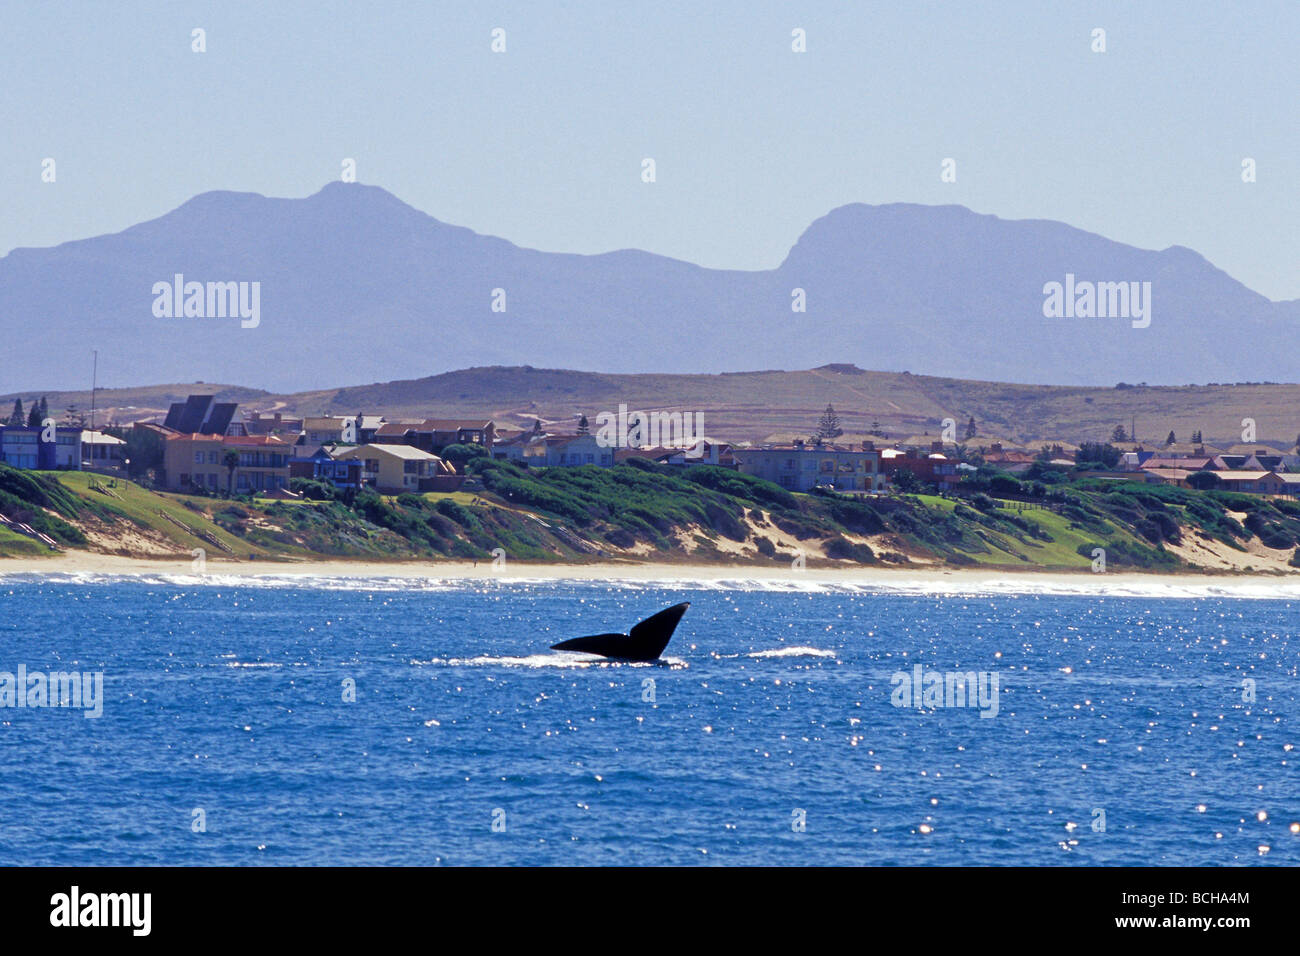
(560, 659)
(794, 652)
(937, 586)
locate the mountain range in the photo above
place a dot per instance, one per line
(357, 286)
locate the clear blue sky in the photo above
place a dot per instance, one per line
(542, 145)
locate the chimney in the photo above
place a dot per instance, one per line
(936, 446)
(997, 447)
(868, 446)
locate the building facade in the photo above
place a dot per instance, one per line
(805, 467)
(197, 461)
(45, 448)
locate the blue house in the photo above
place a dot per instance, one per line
(22, 447)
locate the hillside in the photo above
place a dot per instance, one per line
(643, 512)
(768, 405)
(353, 284)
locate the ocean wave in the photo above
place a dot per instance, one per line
(793, 652)
(942, 585)
(560, 659)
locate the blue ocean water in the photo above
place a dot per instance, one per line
(768, 737)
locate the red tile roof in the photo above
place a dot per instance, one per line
(230, 439)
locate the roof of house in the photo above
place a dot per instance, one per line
(1241, 475)
(1255, 448)
(1017, 457)
(395, 429)
(408, 452)
(322, 422)
(452, 424)
(200, 413)
(99, 438)
(1195, 464)
(243, 440)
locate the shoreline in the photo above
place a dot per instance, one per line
(912, 579)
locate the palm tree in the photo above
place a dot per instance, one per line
(231, 460)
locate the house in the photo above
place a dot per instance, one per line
(1252, 482)
(801, 467)
(435, 434)
(197, 461)
(23, 446)
(461, 432)
(262, 423)
(101, 452)
(568, 451)
(324, 465)
(1014, 462)
(1168, 476)
(1197, 463)
(395, 469)
(708, 452)
(339, 430)
(1290, 483)
(933, 467)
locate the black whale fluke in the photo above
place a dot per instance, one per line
(645, 642)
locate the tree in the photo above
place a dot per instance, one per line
(1119, 434)
(1196, 437)
(1092, 454)
(970, 428)
(1171, 439)
(144, 451)
(231, 460)
(17, 418)
(1203, 480)
(73, 416)
(34, 415)
(829, 426)
(905, 481)
(458, 455)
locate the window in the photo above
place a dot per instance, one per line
(198, 458)
(212, 458)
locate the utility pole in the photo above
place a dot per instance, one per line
(94, 381)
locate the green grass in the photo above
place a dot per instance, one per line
(141, 507)
(15, 545)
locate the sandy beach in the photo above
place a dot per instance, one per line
(914, 579)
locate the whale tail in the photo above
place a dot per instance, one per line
(645, 642)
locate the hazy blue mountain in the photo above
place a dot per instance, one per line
(356, 286)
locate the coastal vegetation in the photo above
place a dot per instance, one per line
(643, 511)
